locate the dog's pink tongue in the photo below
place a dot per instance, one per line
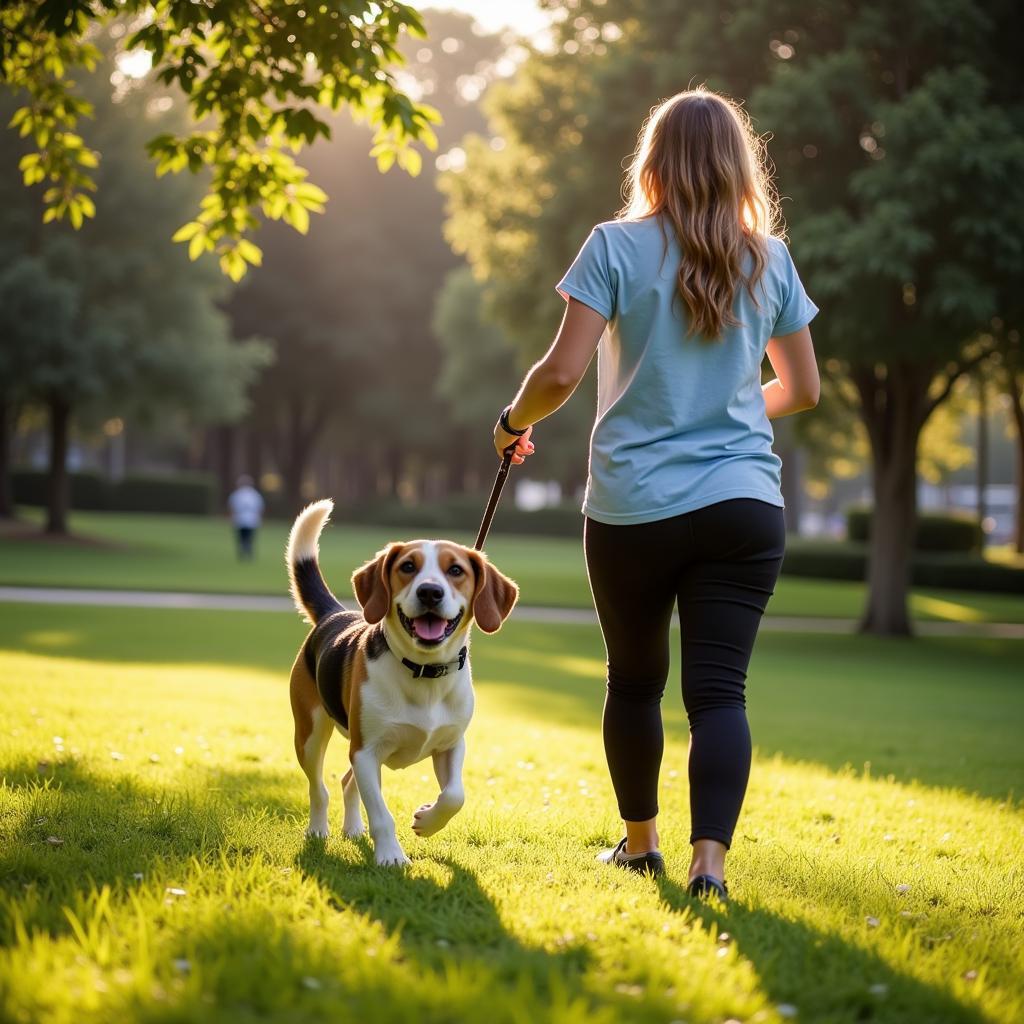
(429, 627)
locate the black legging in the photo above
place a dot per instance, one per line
(720, 563)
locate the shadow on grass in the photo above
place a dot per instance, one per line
(439, 922)
(443, 938)
(820, 974)
(446, 952)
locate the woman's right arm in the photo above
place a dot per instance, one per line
(796, 386)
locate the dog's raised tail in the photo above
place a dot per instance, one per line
(312, 596)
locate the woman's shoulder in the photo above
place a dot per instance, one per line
(628, 238)
(628, 227)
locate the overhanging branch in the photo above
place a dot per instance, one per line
(954, 375)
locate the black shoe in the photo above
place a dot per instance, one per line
(705, 886)
(651, 863)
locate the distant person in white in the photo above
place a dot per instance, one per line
(246, 506)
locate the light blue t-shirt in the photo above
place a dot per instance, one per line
(681, 421)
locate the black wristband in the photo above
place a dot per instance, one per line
(506, 426)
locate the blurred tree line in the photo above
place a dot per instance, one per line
(366, 359)
(360, 389)
(110, 320)
(896, 131)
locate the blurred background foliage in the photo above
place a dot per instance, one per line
(368, 357)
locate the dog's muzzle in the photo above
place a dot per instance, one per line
(429, 628)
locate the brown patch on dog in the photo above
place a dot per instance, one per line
(305, 700)
(455, 554)
(495, 595)
(373, 583)
(351, 695)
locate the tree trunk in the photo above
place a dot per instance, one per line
(892, 542)
(6, 497)
(893, 402)
(391, 467)
(59, 491)
(1015, 389)
(293, 468)
(304, 426)
(254, 452)
(982, 455)
(792, 492)
(226, 468)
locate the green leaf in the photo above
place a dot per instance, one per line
(186, 231)
(411, 161)
(311, 196)
(298, 217)
(196, 246)
(232, 264)
(250, 252)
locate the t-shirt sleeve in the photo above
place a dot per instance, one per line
(589, 279)
(797, 309)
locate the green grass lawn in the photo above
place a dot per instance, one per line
(152, 864)
(196, 554)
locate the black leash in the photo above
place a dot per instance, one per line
(492, 502)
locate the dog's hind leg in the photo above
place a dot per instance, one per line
(312, 761)
(353, 826)
(313, 731)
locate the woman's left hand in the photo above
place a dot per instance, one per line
(503, 439)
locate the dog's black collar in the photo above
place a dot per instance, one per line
(434, 670)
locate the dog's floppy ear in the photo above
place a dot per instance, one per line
(372, 584)
(495, 595)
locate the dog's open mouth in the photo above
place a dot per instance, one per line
(429, 628)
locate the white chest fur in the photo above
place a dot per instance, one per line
(403, 720)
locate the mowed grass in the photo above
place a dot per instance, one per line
(193, 553)
(153, 868)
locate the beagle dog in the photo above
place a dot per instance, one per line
(395, 679)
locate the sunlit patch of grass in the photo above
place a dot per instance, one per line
(939, 608)
(173, 882)
(52, 638)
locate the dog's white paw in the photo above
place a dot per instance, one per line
(429, 819)
(390, 855)
(318, 830)
(354, 830)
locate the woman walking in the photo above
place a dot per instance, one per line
(682, 296)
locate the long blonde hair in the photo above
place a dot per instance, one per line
(699, 163)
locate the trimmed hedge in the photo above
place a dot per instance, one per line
(817, 559)
(462, 514)
(31, 487)
(177, 494)
(838, 560)
(935, 531)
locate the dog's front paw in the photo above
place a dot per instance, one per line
(428, 820)
(390, 855)
(317, 830)
(354, 830)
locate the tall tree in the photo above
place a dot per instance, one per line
(255, 77)
(128, 325)
(1011, 368)
(350, 307)
(896, 140)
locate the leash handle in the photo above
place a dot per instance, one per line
(492, 502)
